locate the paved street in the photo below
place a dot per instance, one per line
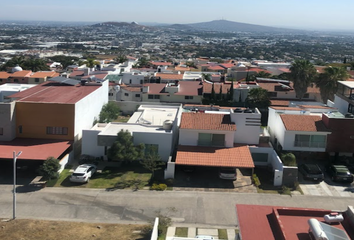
(126, 206)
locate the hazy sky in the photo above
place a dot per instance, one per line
(304, 14)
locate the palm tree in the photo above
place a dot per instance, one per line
(327, 81)
(302, 73)
(90, 62)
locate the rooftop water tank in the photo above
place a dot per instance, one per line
(167, 125)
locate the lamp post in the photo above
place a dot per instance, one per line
(14, 187)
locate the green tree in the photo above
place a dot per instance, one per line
(288, 159)
(65, 61)
(49, 169)
(35, 65)
(124, 150)
(327, 81)
(152, 160)
(191, 64)
(206, 76)
(263, 74)
(302, 73)
(109, 112)
(220, 97)
(143, 63)
(231, 91)
(212, 95)
(121, 58)
(258, 98)
(90, 62)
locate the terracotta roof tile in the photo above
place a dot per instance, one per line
(282, 103)
(207, 121)
(207, 87)
(24, 73)
(169, 76)
(315, 107)
(161, 63)
(237, 156)
(44, 74)
(216, 67)
(132, 89)
(4, 75)
(77, 73)
(303, 123)
(190, 88)
(286, 108)
(156, 88)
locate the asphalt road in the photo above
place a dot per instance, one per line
(126, 206)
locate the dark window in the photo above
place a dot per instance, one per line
(110, 94)
(36, 79)
(141, 81)
(15, 80)
(126, 94)
(156, 96)
(272, 94)
(1, 131)
(130, 81)
(20, 129)
(57, 130)
(137, 95)
(150, 96)
(188, 97)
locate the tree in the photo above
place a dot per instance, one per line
(206, 76)
(121, 58)
(49, 169)
(302, 73)
(123, 149)
(327, 81)
(109, 112)
(152, 160)
(263, 74)
(65, 61)
(143, 63)
(220, 94)
(288, 159)
(35, 65)
(231, 95)
(212, 95)
(90, 62)
(258, 98)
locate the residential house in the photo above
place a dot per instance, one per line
(40, 77)
(153, 125)
(8, 89)
(4, 77)
(344, 98)
(177, 92)
(20, 76)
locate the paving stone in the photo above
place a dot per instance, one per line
(231, 235)
(209, 232)
(171, 231)
(192, 232)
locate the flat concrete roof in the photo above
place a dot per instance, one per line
(15, 87)
(349, 84)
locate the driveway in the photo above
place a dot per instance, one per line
(207, 179)
(326, 188)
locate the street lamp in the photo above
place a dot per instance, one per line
(14, 187)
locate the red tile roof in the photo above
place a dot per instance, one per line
(282, 103)
(24, 73)
(131, 89)
(156, 88)
(315, 107)
(4, 75)
(51, 92)
(216, 67)
(169, 76)
(303, 123)
(271, 222)
(33, 149)
(286, 108)
(227, 65)
(161, 63)
(77, 73)
(207, 87)
(207, 121)
(44, 74)
(238, 156)
(190, 88)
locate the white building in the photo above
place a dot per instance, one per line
(8, 89)
(151, 125)
(132, 78)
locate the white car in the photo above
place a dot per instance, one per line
(228, 173)
(83, 173)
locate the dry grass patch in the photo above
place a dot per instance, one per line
(43, 230)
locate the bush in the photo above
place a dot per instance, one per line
(158, 187)
(286, 190)
(169, 182)
(288, 159)
(255, 180)
(49, 169)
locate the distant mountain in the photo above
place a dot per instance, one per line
(228, 26)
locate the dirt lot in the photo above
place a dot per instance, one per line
(22, 229)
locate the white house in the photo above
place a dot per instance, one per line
(8, 89)
(344, 98)
(132, 78)
(295, 129)
(151, 125)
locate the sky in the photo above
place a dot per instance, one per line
(300, 14)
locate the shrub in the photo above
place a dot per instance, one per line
(158, 187)
(288, 159)
(286, 190)
(255, 180)
(169, 182)
(49, 169)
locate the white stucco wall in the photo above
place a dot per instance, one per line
(341, 104)
(89, 143)
(189, 137)
(163, 140)
(130, 96)
(247, 127)
(7, 121)
(88, 109)
(289, 141)
(132, 78)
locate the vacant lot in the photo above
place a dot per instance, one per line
(23, 229)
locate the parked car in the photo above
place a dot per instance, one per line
(83, 173)
(228, 173)
(311, 172)
(340, 173)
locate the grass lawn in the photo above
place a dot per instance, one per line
(130, 176)
(181, 232)
(122, 119)
(57, 230)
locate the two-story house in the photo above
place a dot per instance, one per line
(40, 77)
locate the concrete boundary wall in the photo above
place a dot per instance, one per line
(155, 230)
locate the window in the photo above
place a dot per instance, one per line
(137, 95)
(36, 80)
(141, 81)
(15, 80)
(57, 130)
(20, 129)
(130, 81)
(188, 97)
(153, 96)
(272, 94)
(209, 139)
(110, 94)
(313, 141)
(1, 131)
(126, 94)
